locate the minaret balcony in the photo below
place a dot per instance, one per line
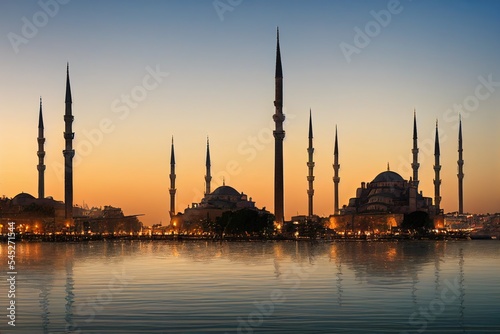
(279, 118)
(69, 135)
(69, 153)
(279, 134)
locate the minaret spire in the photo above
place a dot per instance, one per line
(437, 169)
(279, 70)
(41, 155)
(279, 135)
(460, 169)
(172, 189)
(310, 165)
(415, 163)
(208, 176)
(336, 178)
(68, 152)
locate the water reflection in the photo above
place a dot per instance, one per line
(44, 304)
(461, 279)
(324, 284)
(70, 296)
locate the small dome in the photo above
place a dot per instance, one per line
(225, 191)
(388, 176)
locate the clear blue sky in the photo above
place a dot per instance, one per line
(220, 64)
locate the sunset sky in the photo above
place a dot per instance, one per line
(361, 65)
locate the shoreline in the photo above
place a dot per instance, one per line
(186, 237)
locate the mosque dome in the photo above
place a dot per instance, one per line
(388, 176)
(225, 191)
(23, 199)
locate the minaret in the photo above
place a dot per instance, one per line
(310, 165)
(460, 170)
(172, 189)
(41, 155)
(415, 163)
(336, 178)
(437, 168)
(68, 153)
(208, 177)
(279, 135)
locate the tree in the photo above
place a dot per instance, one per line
(417, 220)
(244, 222)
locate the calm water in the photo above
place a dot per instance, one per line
(256, 287)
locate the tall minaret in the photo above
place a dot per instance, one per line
(460, 170)
(68, 153)
(415, 163)
(208, 176)
(172, 180)
(279, 135)
(437, 168)
(41, 155)
(336, 178)
(310, 165)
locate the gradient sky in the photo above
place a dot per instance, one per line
(431, 56)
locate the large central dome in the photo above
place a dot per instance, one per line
(226, 191)
(388, 176)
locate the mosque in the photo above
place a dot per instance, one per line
(211, 206)
(43, 214)
(386, 202)
(43, 211)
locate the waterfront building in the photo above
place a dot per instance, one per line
(389, 200)
(44, 215)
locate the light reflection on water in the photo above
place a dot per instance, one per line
(246, 287)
